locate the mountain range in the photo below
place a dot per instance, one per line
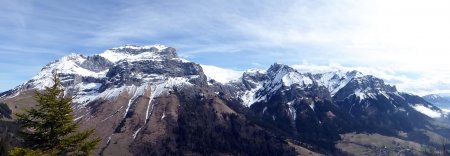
(146, 100)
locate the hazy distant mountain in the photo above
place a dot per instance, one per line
(441, 101)
(148, 101)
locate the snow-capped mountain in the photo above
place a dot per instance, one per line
(291, 100)
(259, 85)
(118, 69)
(142, 100)
(335, 81)
(146, 99)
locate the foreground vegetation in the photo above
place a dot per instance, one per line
(48, 129)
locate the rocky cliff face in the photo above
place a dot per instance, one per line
(146, 100)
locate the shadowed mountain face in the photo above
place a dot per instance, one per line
(148, 101)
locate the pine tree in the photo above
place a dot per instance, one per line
(49, 128)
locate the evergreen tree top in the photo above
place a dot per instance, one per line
(49, 127)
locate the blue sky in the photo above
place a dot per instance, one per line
(404, 42)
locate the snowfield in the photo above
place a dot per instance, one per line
(221, 75)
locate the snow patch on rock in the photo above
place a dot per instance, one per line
(249, 97)
(70, 64)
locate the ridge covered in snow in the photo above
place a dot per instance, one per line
(88, 78)
(134, 53)
(335, 81)
(353, 82)
(73, 64)
(266, 83)
(70, 64)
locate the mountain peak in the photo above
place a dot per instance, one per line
(73, 56)
(133, 52)
(254, 71)
(354, 73)
(136, 47)
(277, 68)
